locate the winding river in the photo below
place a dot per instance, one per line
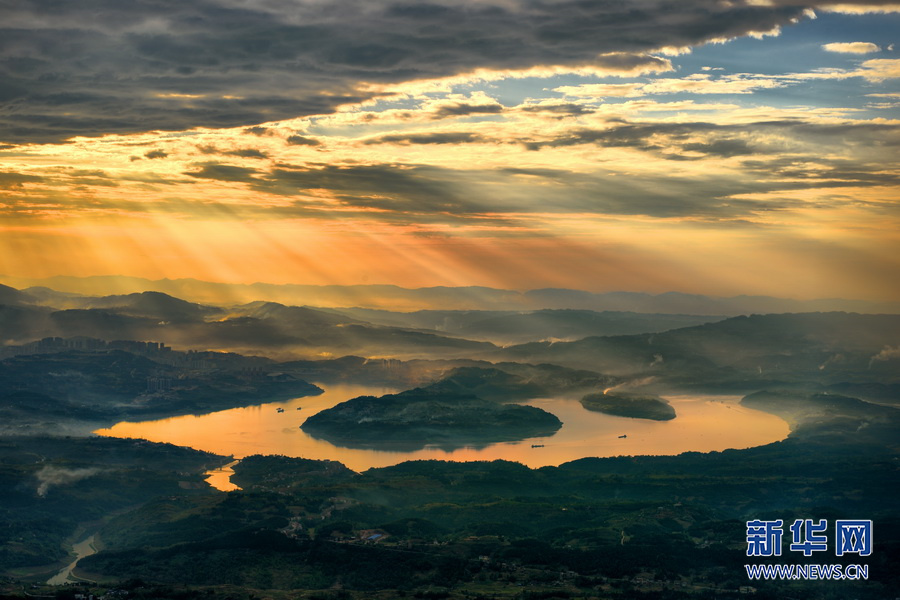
(83, 548)
(704, 423)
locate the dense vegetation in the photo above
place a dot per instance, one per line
(617, 527)
(636, 407)
(49, 391)
(626, 527)
(50, 485)
(418, 417)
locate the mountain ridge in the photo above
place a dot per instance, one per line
(396, 298)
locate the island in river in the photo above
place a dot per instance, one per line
(636, 407)
(419, 417)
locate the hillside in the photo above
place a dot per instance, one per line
(419, 417)
(742, 353)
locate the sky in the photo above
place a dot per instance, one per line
(718, 147)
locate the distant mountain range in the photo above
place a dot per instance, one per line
(516, 327)
(259, 327)
(759, 351)
(272, 328)
(398, 299)
(851, 352)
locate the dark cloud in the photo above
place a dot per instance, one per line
(247, 153)
(429, 194)
(420, 189)
(640, 136)
(724, 148)
(156, 154)
(299, 140)
(428, 138)
(80, 179)
(697, 140)
(882, 135)
(826, 172)
(424, 194)
(240, 152)
(10, 181)
(536, 172)
(223, 172)
(464, 109)
(106, 66)
(567, 109)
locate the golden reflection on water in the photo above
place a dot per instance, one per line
(221, 478)
(704, 424)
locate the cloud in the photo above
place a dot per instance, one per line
(875, 70)
(851, 47)
(299, 140)
(642, 136)
(811, 172)
(555, 109)
(642, 64)
(156, 154)
(419, 193)
(602, 90)
(462, 109)
(428, 194)
(95, 67)
(739, 165)
(784, 155)
(459, 105)
(652, 106)
(247, 153)
(622, 64)
(462, 137)
(724, 148)
(699, 83)
(51, 476)
(879, 69)
(862, 9)
(381, 187)
(887, 353)
(702, 83)
(224, 172)
(11, 181)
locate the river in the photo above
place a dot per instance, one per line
(83, 548)
(704, 423)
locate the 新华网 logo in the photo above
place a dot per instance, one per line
(807, 536)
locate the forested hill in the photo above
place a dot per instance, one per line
(821, 348)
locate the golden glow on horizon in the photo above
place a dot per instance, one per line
(624, 255)
(455, 188)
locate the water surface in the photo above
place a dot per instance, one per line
(83, 548)
(221, 478)
(704, 423)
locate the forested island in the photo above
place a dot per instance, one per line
(636, 407)
(418, 417)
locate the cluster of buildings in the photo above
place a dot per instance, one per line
(52, 345)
